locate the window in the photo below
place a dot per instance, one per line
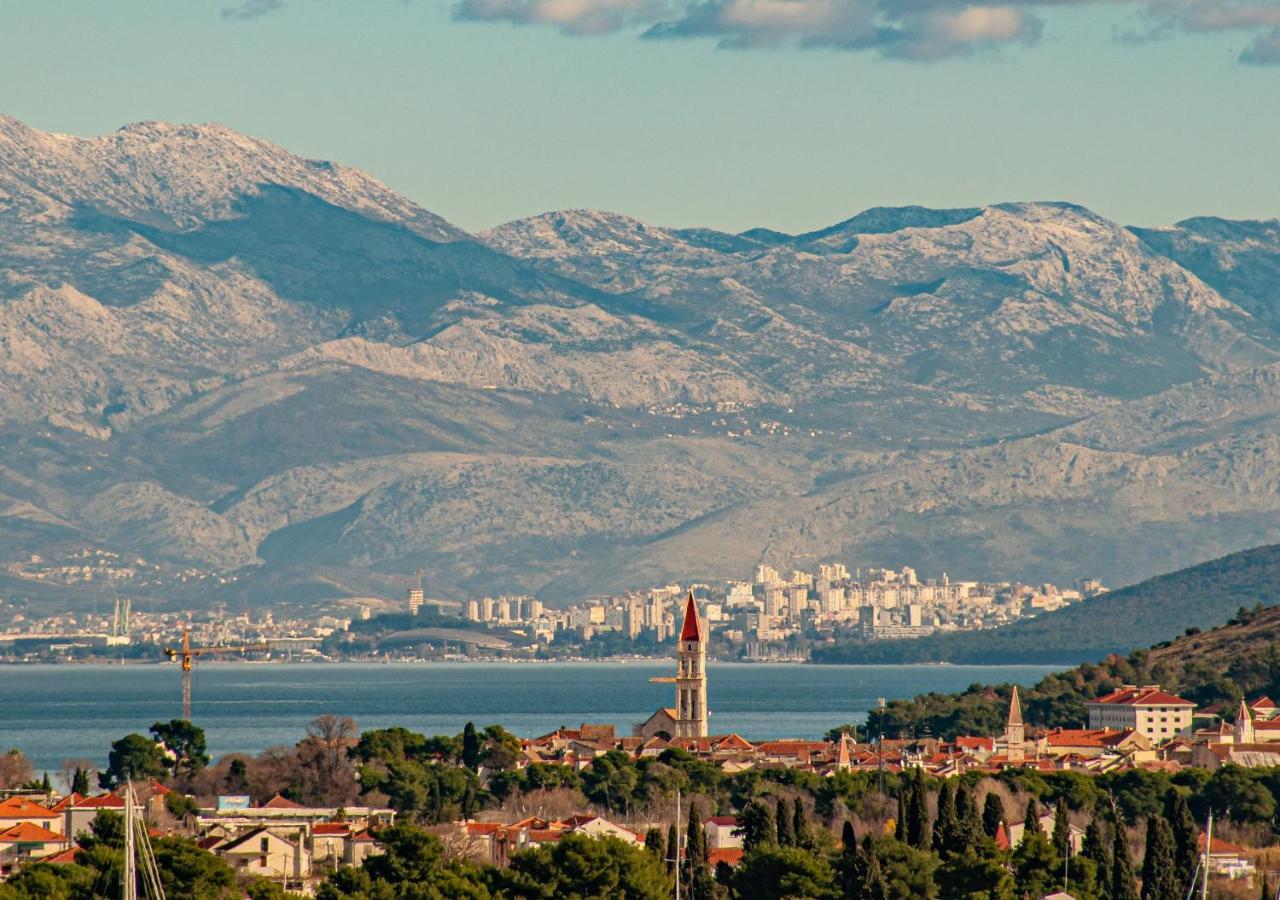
(264, 845)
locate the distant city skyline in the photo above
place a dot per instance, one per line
(489, 110)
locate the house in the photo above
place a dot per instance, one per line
(1016, 830)
(723, 833)
(1089, 743)
(1147, 709)
(1227, 859)
(79, 812)
(278, 855)
(26, 840)
(18, 810)
(1249, 756)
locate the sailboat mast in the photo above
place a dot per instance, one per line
(1208, 850)
(129, 876)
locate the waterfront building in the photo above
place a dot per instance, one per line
(1155, 713)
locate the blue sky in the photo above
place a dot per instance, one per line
(790, 114)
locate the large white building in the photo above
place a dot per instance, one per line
(1146, 709)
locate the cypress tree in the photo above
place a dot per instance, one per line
(852, 866)
(900, 826)
(945, 827)
(1031, 822)
(470, 747)
(436, 801)
(992, 814)
(1266, 889)
(1061, 830)
(1122, 885)
(757, 826)
(1095, 849)
(673, 848)
(800, 826)
(702, 883)
(1186, 838)
(46, 785)
(968, 822)
(918, 814)
(1159, 865)
(785, 821)
(80, 781)
(654, 843)
(874, 886)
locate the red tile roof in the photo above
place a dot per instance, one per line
(729, 855)
(22, 808)
(278, 802)
(1142, 697)
(29, 832)
(62, 857)
(101, 801)
(730, 821)
(1087, 737)
(331, 828)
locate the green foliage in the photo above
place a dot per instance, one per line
(771, 871)
(412, 867)
(180, 805)
(1122, 882)
(1186, 848)
(579, 866)
(785, 823)
(918, 813)
(992, 814)
(1159, 865)
(908, 873)
(1239, 794)
(976, 873)
(1037, 867)
(758, 829)
(135, 757)
(185, 743)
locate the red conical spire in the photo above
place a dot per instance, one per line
(692, 629)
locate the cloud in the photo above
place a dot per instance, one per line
(1264, 50)
(251, 9)
(919, 30)
(570, 16)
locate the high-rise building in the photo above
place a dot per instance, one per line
(416, 598)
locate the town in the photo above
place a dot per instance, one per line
(1022, 805)
(771, 617)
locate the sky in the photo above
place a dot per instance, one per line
(731, 114)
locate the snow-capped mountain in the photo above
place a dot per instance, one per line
(217, 355)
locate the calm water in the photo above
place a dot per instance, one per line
(55, 712)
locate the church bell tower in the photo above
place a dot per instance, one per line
(691, 675)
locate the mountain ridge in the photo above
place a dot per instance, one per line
(580, 402)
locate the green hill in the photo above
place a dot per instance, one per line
(1154, 610)
(1220, 666)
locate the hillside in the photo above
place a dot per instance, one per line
(1157, 609)
(240, 374)
(1239, 659)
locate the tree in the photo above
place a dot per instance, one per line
(1061, 830)
(946, 828)
(785, 822)
(992, 814)
(900, 823)
(1186, 838)
(1122, 885)
(976, 873)
(185, 743)
(1095, 850)
(412, 866)
(918, 814)
(699, 877)
(1232, 791)
(654, 843)
(133, 757)
(673, 848)
(769, 872)
(757, 826)
(907, 873)
(968, 821)
(1031, 819)
(1159, 865)
(800, 826)
(580, 866)
(15, 770)
(1038, 867)
(80, 781)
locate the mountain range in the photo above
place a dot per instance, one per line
(272, 377)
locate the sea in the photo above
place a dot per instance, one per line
(58, 712)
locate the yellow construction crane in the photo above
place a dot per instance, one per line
(187, 653)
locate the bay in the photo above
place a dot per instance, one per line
(57, 712)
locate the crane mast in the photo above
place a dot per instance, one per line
(186, 654)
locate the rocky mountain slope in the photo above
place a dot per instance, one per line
(266, 375)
